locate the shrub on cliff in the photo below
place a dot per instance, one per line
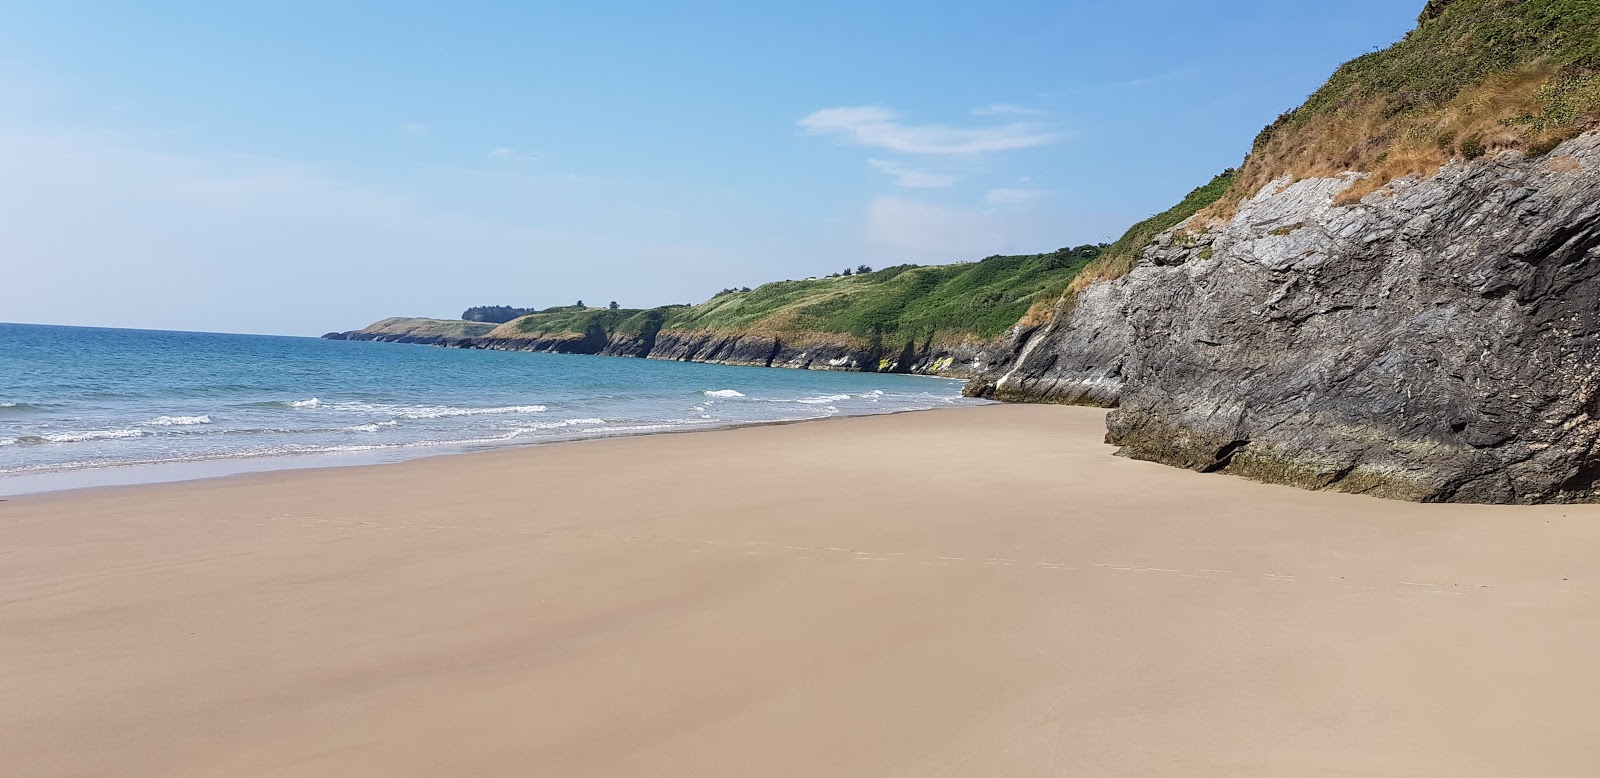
(494, 314)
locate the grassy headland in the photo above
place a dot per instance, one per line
(969, 300)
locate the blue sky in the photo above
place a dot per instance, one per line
(302, 167)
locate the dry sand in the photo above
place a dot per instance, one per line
(972, 592)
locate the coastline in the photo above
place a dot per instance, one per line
(971, 591)
(184, 471)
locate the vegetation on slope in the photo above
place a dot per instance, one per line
(1120, 257)
(906, 302)
(494, 314)
(1475, 77)
(572, 321)
(428, 328)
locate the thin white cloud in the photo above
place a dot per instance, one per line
(512, 155)
(931, 232)
(1007, 109)
(879, 127)
(414, 128)
(1116, 86)
(912, 178)
(1014, 197)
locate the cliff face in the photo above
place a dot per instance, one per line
(945, 320)
(803, 351)
(1437, 340)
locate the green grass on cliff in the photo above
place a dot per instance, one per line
(966, 300)
(1475, 77)
(1461, 44)
(1121, 256)
(905, 302)
(428, 328)
(569, 320)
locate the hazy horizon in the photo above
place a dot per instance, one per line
(296, 170)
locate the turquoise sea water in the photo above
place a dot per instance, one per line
(86, 406)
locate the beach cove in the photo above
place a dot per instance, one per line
(963, 591)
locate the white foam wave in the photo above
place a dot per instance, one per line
(824, 399)
(556, 425)
(311, 403)
(445, 411)
(79, 437)
(668, 424)
(723, 393)
(178, 421)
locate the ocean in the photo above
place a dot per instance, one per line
(83, 406)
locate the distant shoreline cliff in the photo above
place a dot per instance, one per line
(802, 351)
(940, 320)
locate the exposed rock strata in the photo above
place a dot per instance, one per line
(803, 351)
(1438, 341)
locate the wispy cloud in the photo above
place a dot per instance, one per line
(1014, 197)
(1132, 83)
(912, 178)
(879, 127)
(512, 155)
(1007, 109)
(414, 128)
(931, 231)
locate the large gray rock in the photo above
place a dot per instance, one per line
(1077, 358)
(1437, 341)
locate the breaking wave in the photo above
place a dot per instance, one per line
(77, 437)
(178, 421)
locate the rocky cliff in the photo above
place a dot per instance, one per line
(797, 350)
(1436, 340)
(1397, 295)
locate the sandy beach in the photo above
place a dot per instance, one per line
(970, 592)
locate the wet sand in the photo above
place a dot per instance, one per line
(967, 592)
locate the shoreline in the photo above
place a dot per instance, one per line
(977, 591)
(234, 467)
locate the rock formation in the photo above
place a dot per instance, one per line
(1438, 340)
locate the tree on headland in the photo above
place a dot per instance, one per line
(494, 314)
(847, 272)
(580, 304)
(862, 270)
(613, 305)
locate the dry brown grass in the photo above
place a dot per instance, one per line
(1506, 113)
(1104, 269)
